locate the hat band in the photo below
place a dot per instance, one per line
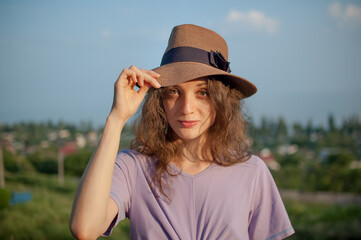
(191, 54)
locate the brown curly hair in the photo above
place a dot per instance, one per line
(227, 139)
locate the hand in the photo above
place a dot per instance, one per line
(126, 99)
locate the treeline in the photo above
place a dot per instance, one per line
(272, 133)
(31, 146)
(319, 158)
(33, 133)
(269, 133)
(311, 158)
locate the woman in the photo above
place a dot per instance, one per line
(188, 174)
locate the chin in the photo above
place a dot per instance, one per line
(188, 135)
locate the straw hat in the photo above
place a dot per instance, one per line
(194, 52)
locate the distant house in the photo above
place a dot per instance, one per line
(355, 164)
(64, 133)
(92, 138)
(269, 159)
(80, 140)
(52, 136)
(8, 140)
(68, 148)
(287, 149)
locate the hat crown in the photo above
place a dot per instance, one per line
(189, 35)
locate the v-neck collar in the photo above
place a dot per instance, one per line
(204, 171)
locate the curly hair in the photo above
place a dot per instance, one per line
(227, 139)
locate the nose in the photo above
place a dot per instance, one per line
(187, 104)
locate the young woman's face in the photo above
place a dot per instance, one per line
(188, 108)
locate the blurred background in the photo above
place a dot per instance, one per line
(60, 59)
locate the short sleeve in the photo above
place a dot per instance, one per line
(268, 218)
(124, 175)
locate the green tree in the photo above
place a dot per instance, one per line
(45, 160)
(331, 123)
(74, 164)
(282, 131)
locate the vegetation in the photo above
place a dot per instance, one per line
(326, 159)
(47, 215)
(311, 158)
(319, 222)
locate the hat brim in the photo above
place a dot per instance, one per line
(179, 72)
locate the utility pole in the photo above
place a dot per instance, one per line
(60, 167)
(2, 176)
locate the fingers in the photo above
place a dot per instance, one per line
(139, 75)
(142, 76)
(151, 77)
(127, 77)
(127, 98)
(152, 73)
(144, 89)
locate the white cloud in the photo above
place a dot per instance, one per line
(345, 15)
(353, 12)
(253, 19)
(335, 9)
(106, 33)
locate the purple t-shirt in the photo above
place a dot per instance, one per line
(237, 202)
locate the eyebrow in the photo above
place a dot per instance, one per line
(202, 84)
(198, 85)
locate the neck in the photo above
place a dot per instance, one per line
(192, 156)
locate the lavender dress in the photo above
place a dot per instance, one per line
(237, 202)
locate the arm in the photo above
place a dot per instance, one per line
(93, 209)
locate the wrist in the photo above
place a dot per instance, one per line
(115, 120)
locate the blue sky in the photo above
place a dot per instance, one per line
(59, 59)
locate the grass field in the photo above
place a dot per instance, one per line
(46, 216)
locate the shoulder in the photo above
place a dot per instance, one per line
(131, 159)
(131, 155)
(246, 172)
(129, 152)
(261, 169)
(254, 162)
(252, 169)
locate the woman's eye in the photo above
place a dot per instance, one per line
(172, 91)
(203, 93)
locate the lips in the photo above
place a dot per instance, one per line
(187, 124)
